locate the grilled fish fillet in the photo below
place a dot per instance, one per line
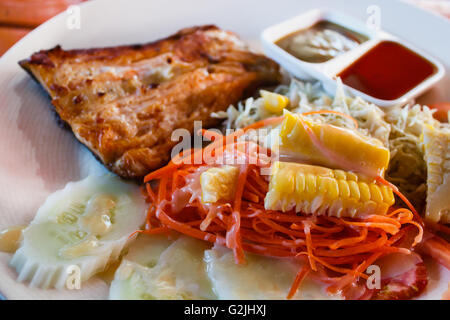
(124, 102)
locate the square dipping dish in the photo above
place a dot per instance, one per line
(372, 64)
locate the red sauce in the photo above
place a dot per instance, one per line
(387, 71)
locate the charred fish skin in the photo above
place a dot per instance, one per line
(124, 102)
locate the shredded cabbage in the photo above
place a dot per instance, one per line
(398, 128)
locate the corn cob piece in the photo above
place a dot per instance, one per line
(355, 152)
(322, 191)
(436, 144)
(218, 184)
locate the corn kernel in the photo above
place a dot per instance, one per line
(274, 102)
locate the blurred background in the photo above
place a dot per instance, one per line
(18, 17)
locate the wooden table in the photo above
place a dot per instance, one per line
(18, 17)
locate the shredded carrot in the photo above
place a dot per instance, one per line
(419, 236)
(309, 245)
(349, 241)
(276, 120)
(401, 196)
(150, 192)
(298, 281)
(135, 232)
(341, 246)
(336, 269)
(264, 123)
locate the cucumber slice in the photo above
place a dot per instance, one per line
(82, 227)
(179, 272)
(261, 278)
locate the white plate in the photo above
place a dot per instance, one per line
(37, 157)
